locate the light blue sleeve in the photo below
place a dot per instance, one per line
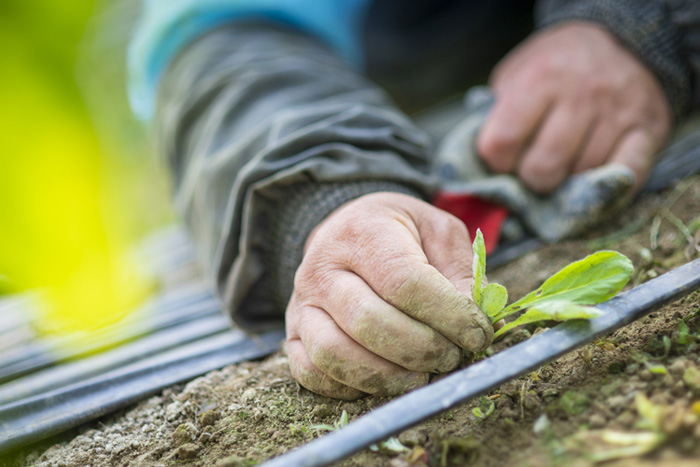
(166, 26)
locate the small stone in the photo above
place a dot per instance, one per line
(597, 421)
(353, 408)
(678, 367)
(184, 434)
(541, 424)
(691, 377)
(617, 402)
(187, 451)
(321, 411)
(173, 411)
(204, 438)
(668, 380)
(646, 375)
(232, 461)
(209, 418)
(413, 437)
(660, 398)
(678, 389)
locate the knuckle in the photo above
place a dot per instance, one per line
(400, 283)
(495, 147)
(361, 321)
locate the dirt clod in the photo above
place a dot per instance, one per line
(210, 417)
(187, 451)
(321, 411)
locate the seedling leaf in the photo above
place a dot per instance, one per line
(557, 310)
(494, 299)
(590, 281)
(478, 268)
(392, 444)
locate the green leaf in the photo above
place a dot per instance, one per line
(391, 444)
(343, 419)
(557, 310)
(494, 299)
(478, 268)
(590, 281)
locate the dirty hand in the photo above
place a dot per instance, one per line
(381, 299)
(571, 98)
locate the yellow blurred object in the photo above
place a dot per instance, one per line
(56, 236)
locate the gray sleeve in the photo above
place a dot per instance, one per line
(266, 132)
(664, 35)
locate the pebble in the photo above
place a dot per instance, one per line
(678, 367)
(184, 434)
(210, 417)
(678, 389)
(691, 377)
(617, 402)
(204, 438)
(413, 437)
(173, 411)
(321, 411)
(187, 451)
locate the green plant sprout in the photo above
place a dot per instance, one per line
(566, 295)
(485, 408)
(392, 444)
(337, 425)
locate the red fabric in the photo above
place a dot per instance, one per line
(476, 213)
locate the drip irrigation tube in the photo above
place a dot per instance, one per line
(487, 374)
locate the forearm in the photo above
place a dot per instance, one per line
(256, 123)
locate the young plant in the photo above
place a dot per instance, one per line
(566, 295)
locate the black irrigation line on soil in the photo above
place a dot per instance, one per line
(477, 379)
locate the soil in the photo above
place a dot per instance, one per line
(631, 398)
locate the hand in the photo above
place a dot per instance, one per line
(381, 299)
(568, 99)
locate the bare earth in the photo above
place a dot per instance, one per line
(579, 410)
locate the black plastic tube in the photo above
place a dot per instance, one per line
(487, 374)
(37, 418)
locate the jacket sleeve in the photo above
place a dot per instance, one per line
(663, 34)
(266, 132)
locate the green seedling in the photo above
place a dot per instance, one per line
(392, 444)
(485, 409)
(337, 425)
(566, 295)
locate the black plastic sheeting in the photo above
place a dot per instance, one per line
(47, 387)
(477, 379)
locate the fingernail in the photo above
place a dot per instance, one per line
(474, 339)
